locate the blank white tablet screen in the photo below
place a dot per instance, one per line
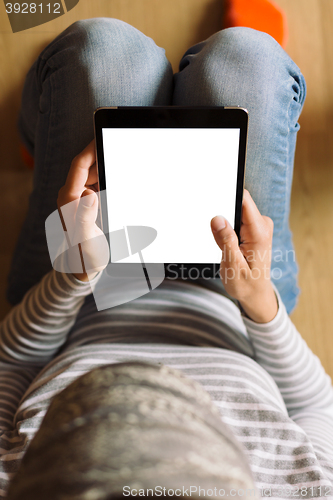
(174, 180)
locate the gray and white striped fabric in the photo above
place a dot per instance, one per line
(269, 387)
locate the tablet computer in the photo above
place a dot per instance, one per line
(171, 169)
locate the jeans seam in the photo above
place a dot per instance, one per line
(46, 173)
(286, 190)
(286, 222)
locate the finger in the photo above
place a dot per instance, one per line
(92, 176)
(79, 172)
(87, 209)
(78, 217)
(227, 241)
(250, 212)
(255, 227)
(64, 197)
(91, 180)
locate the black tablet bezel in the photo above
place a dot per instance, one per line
(175, 117)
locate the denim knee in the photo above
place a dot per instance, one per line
(238, 66)
(247, 46)
(104, 36)
(261, 61)
(121, 65)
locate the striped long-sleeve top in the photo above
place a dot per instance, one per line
(269, 387)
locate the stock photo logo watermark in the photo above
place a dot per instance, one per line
(24, 15)
(72, 251)
(189, 491)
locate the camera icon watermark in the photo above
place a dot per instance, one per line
(117, 255)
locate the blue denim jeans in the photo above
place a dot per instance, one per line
(106, 62)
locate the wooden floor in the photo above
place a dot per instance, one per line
(176, 25)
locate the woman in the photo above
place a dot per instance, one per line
(119, 425)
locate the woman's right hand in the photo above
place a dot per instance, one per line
(78, 206)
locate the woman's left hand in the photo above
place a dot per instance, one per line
(245, 268)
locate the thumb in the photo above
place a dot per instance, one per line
(88, 198)
(223, 233)
(86, 215)
(227, 241)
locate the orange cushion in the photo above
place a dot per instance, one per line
(261, 15)
(26, 157)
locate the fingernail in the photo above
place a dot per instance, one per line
(218, 223)
(88, 201)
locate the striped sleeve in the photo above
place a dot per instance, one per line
(14, 381)
(33, 331)
(304, 385)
